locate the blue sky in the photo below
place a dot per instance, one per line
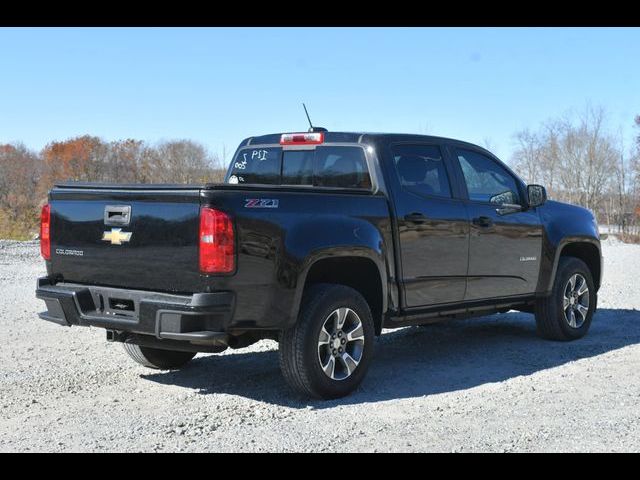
(220, 85)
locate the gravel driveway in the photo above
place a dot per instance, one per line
(485, 384)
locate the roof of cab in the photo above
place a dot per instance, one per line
(354, 137)
(329, 137)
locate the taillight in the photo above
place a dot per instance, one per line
(217, 243)
(314, 138)
(45, 232)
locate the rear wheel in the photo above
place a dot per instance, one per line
(566, 314)
(158, 358)
(327, 353)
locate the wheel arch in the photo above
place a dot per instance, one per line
(587, 250)
(360, 270)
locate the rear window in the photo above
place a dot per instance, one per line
(324, 166)
(297, 167)
(256, 165)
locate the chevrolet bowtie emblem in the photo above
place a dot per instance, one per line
(116, 236)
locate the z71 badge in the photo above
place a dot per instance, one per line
(260, 203)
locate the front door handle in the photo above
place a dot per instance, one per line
(483, 221)
(415, 217)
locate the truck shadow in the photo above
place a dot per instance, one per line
(418, 361)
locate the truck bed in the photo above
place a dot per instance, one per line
(278, 232)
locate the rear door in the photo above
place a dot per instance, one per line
(433, 227)
(505, 242)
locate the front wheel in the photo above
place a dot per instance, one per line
(327, 352)
(566, 314)
(157, 358)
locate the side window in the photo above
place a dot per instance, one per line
(421, 170)
(341, 167)
(487, 181)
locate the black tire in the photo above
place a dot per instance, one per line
(299, 349)
(551, 321)
(158, 358)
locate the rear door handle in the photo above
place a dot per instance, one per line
(483, 221)
(415, 217)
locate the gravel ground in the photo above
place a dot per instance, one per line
(485, 384)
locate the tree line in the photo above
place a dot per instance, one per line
(577, 157)
(580, 160)
(26, 176)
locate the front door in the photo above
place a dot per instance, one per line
(433, 227)
(505, 241)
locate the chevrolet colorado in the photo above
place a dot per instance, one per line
(318, 240)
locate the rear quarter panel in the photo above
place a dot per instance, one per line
(277, 246)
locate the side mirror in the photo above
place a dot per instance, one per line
(537, 195)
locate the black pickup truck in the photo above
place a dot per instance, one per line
(318, 240)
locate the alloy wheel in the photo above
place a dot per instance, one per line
(341, 343)
(575, 304)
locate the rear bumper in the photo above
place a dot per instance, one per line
(199, 319)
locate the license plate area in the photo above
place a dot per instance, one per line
(121, 305)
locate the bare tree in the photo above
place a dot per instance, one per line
(550, 160)
(182, 161)
(634, 180)
(125, 162)
(526, 158)
(575, 157)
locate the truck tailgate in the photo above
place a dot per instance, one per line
(89, 246)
